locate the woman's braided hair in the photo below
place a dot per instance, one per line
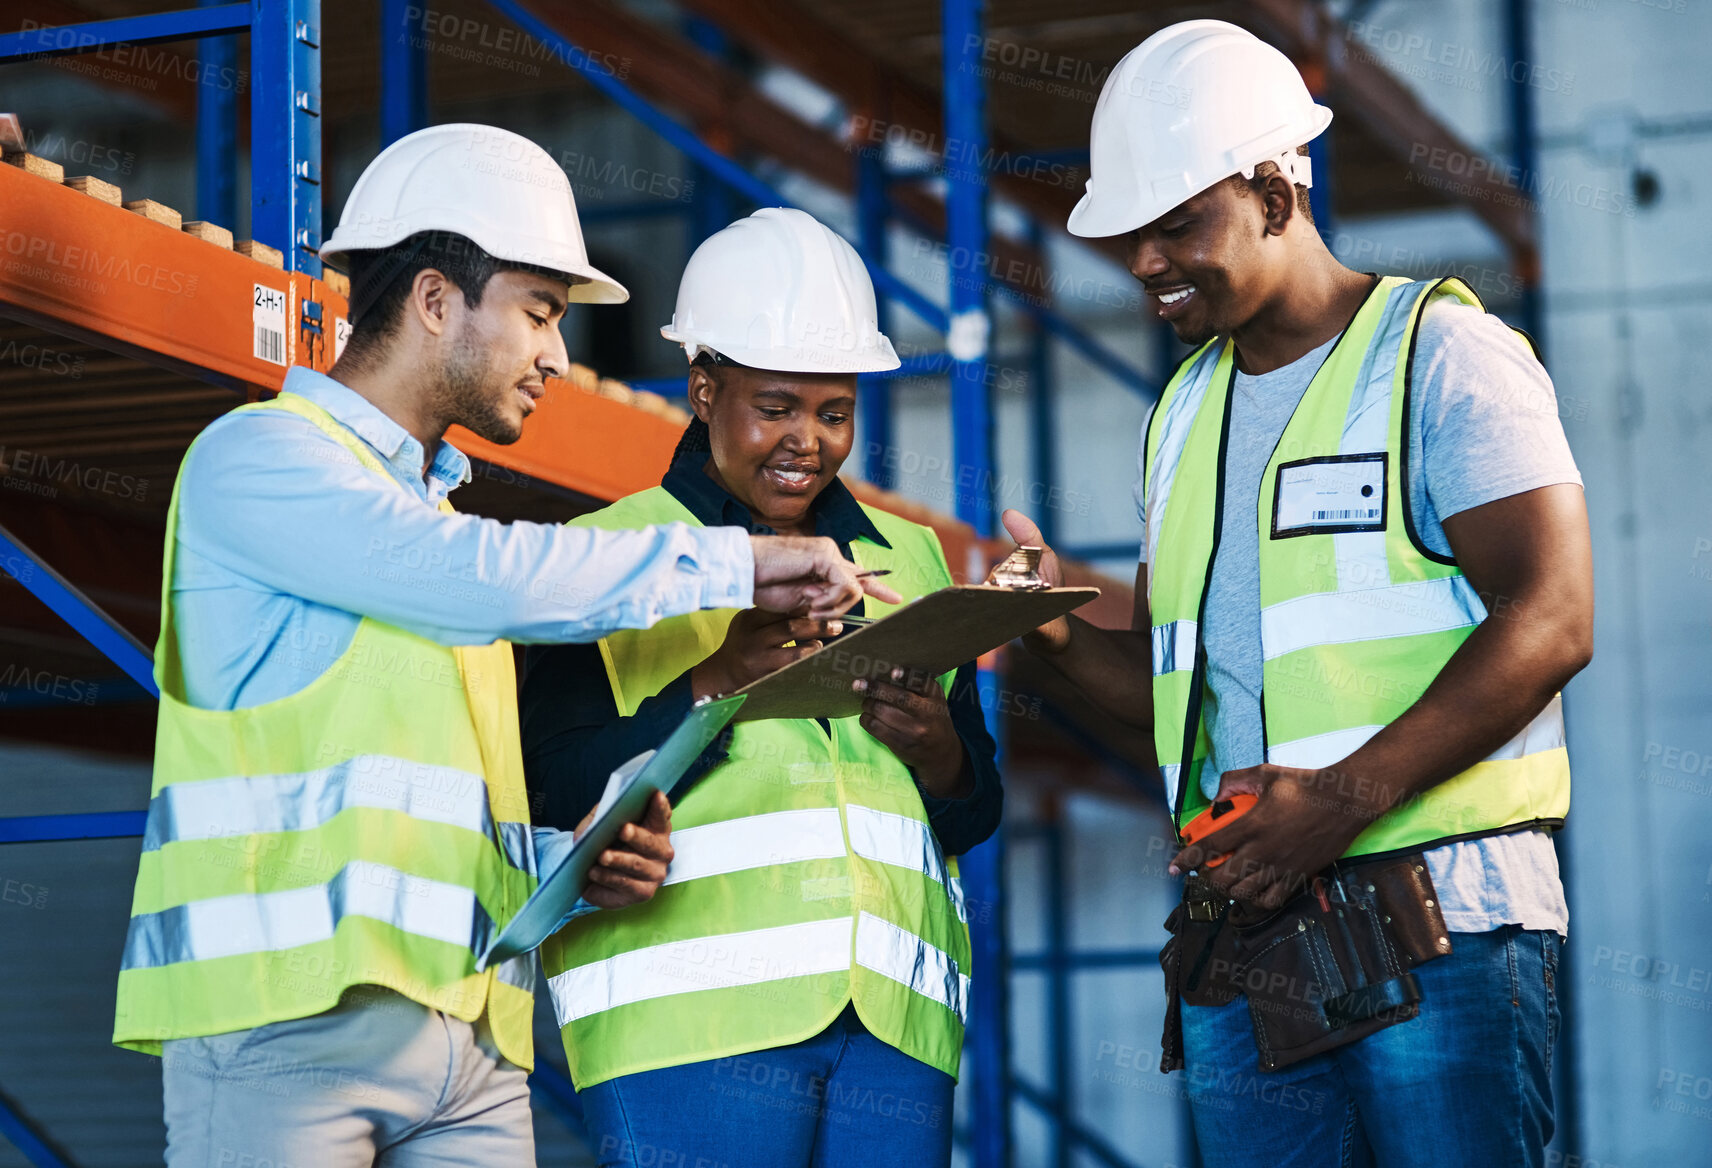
(696, 439)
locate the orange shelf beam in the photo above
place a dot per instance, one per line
(592, 445)
(75, 264)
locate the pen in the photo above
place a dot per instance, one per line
(874, 572)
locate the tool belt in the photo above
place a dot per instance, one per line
(1330, 967)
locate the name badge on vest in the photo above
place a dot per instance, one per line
(1326, 496)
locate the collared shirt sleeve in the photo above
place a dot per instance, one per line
(961, 824)
(272, 498)
(573, 737)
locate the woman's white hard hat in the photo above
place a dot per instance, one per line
(496, 188)
(1190, 106)
(780, 290)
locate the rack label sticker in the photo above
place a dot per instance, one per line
(341, 334)
(269, 318)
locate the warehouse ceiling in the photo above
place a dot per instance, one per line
(1044, 62)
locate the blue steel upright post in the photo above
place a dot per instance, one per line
(403, 69)
(875, 393)
(1525, 157)
(217, 128)
(1320, 194)
(1043, 408)
(285, 130)
(1058, 988)
(964, 156)
(1524, 149)
(713, 206)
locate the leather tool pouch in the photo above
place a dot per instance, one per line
(1331, 967)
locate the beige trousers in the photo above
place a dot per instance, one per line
(377, 1080)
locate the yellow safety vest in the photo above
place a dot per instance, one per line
(372, 828)
(1357, 615)
(806, 875)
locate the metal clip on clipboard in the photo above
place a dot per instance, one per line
(1019, 570)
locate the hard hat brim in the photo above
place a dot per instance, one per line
(600, 288)
(884, 358)
(588, 284)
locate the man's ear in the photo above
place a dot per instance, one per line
(430, 301)
(701, 390)
(1278, 202)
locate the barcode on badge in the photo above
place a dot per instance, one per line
(269, 319)
(1359, 513)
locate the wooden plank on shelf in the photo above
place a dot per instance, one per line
(260, 252)
(96, 188)
(37, 165)
(156, 213)
(210, 232)
(615, 390)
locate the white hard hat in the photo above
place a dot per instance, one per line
(1188, 107)
(497, 189)
(780, 290)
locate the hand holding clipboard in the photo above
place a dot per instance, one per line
(933, 634)
(564, 865)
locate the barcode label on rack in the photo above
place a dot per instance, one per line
(270, 344)
(269, 319)
(1360, 514)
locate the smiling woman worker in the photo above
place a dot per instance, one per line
(795, 993)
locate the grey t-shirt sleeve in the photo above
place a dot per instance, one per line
(1139, 491)
(1484, 418)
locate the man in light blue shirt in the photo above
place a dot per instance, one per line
(285, 544)
(464, 251)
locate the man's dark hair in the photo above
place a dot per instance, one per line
(1266, 170)
(381, 281)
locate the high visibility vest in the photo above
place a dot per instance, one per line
(372, 828)
(1357, 615)
(805, 874)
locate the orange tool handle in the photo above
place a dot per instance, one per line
(1221, 813)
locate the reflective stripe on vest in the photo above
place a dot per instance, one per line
(805, 876)
(225, 926)
(1354, 623)
(371, 828)
(729, 960)
(253, 804)
(789, 837)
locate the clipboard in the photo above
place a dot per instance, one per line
(550, 905)
(934, 633)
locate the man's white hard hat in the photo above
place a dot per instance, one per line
(780, 290)
(496, 188)
(1190, 106)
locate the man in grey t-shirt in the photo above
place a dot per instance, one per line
(1483, 426)
(1468, 495)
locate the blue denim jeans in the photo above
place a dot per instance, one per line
(1467, 1082)
(842, 1099)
